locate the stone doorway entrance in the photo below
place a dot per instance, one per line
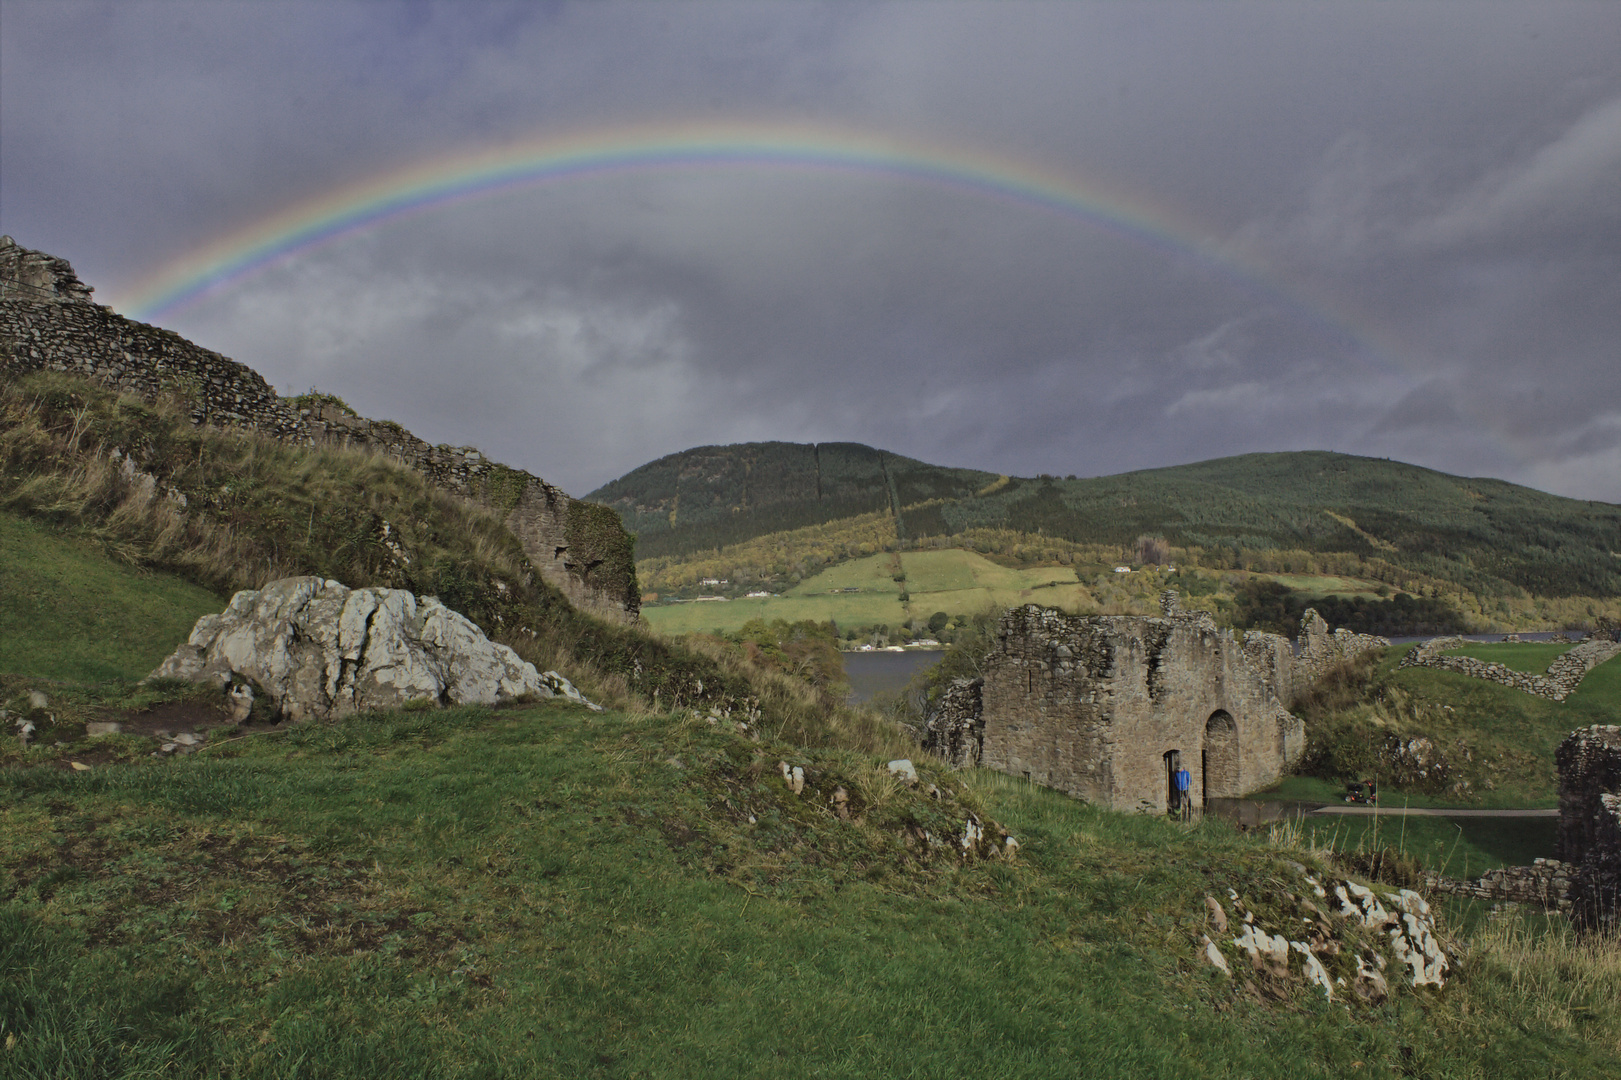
(1173, 762)
(1219, 760)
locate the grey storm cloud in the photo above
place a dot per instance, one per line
(1376, 228)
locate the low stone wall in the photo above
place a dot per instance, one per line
(1563, 676)
(1546, 883)
(48, 323)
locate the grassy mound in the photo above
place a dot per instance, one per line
(1489, 745)
(547, 892)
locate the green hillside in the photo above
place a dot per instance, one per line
(546, 892)
(716, 495)
(1365, 518)
(69, 612)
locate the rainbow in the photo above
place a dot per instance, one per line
(431, 185)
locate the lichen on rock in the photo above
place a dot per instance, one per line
(319, 650)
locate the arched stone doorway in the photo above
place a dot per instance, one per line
(1220, 757)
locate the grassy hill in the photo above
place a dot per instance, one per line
(228, 510)
(1484, 546)
(542, 891)
(712, 496)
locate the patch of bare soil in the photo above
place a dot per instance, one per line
(220, 885)
(171, 718)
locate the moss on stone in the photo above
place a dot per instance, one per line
(598, 543)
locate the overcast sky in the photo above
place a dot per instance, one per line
(1390, 229)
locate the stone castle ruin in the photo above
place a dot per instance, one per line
(49, 323)
(1589, 838)
(1107, 707)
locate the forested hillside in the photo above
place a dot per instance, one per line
(717, 495)
(1486, 536)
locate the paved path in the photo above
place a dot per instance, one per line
(1430, 811)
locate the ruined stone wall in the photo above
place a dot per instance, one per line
(1546, 883)
(1272, 657)
(1589, 763)
(595, 575)
(1563, 676)
(955, 730)
(1091, 705)
(1319, 650)
(48, 323)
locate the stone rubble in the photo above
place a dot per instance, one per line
(320, 650)
(1545, 884)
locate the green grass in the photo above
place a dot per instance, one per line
(1327, 585)
(1532, 657)
(546, 892)
(856, 610)
(1498, 742)
(956, 571)
(68, 612)
(956, 582)
(1463, 847)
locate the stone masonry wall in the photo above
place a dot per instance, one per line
(1546, 883)
(48, 323)
(1091, 705)
(1563, 676)
(1320, 650)
(1589, 762)
(956, 729)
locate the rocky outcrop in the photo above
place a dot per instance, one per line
(319, 650)
(1563, 676)
(1344, 939)
(48, 323)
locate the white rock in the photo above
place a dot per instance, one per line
(38, 700)
(904, 769)
(98, 728)
(320, 650)
(1314, 968)
(1213, 954)
(793, 776)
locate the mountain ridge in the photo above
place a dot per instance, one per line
(1481, 533)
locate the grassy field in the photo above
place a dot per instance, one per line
(69, 612)
(1532, 657)
(544, 892)
(1460, 847)
(1327, 584)
(956, 582)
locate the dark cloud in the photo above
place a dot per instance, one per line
(1393, 229)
